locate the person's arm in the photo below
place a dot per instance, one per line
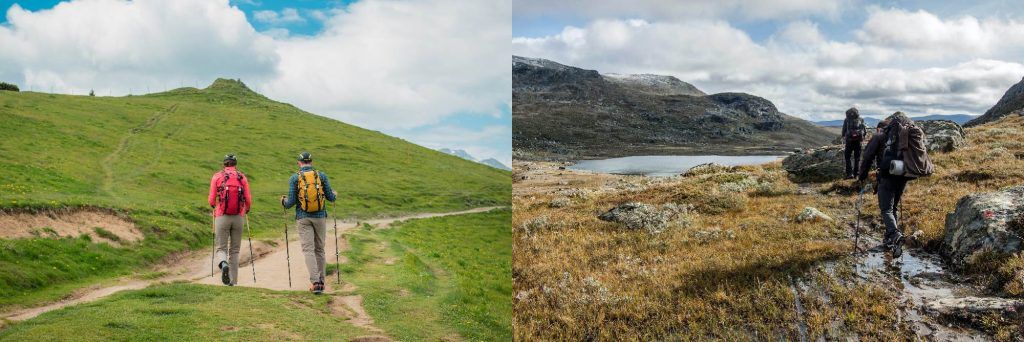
(248, 195)
(213, 190)
(844, 127)
(291, 199)
(328, 192)
(869, 156)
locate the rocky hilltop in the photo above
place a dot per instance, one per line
(565, 112)
(1012, 101)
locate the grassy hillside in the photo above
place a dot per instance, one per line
(429, 279)
(445, 278)
(151, 157)
(182, 312)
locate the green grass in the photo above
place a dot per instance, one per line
(432, 278)
(151, 158)
(182, 312)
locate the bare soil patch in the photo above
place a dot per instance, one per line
(112, 228)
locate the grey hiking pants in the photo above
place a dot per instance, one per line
(229, 229)
(312, 232)
(890, 191)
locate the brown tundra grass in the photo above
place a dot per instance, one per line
(732, 266)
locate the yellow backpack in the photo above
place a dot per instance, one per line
(310, 191)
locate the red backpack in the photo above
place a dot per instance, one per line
(231, 193)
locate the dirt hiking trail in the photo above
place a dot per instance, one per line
(271, 271)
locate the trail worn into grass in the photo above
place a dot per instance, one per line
(271, 271)
(107, 164)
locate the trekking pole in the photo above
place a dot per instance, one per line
(252, 257)
(856, 227)
(337, 250)
(287, 251)
(213, 251)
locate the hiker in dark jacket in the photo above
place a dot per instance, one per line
(853, 135)
(877, 141)
(890, 187)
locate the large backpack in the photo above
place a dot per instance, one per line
(310, 191)
(906, 151)
(231, 192)
(854, 130)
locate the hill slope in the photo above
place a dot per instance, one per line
(1012, 100)
(149, 158)
(564, 112)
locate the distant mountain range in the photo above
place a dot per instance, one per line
(563, 113)
(872, 121)
(465, 155)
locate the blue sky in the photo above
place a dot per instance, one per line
(433, 72)
(813, 59)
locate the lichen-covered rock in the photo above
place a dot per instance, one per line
(943, 135)
(984, 223)
(706, 168)
(810, 214)
(653, 219)
(817, 165)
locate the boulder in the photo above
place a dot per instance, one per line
(706, 168)
(943, 135)
(643, 216)
(822, 164)
(983, 223)
(810, 214)
(977, 310)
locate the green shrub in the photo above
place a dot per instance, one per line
(8, 86)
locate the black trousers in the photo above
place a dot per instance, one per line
(852, 149)
(890, 192)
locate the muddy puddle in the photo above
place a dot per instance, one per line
(922, 282)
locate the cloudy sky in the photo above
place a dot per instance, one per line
(434, 72)
(812, 58)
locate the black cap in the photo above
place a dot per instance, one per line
(305, 157)
(230, 157)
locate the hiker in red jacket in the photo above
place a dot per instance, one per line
(230, 200)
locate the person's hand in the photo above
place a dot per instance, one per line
(283, 198)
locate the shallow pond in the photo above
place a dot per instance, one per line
(662, 166)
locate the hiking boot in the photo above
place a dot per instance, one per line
(897, 246)
(316, 288)
(225, 273)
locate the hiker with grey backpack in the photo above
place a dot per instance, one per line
(901, 153)
(308, 191)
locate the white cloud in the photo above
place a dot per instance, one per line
(389, 66)
(117, 45)
(286, 16)
(683, 9)
(385, 64)
(898, 60)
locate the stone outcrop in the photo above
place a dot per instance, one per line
(1011, 102)
(984, 223)
(943, 135)
(822, 164)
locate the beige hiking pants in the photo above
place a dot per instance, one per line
(312, 232)
(229, 229)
